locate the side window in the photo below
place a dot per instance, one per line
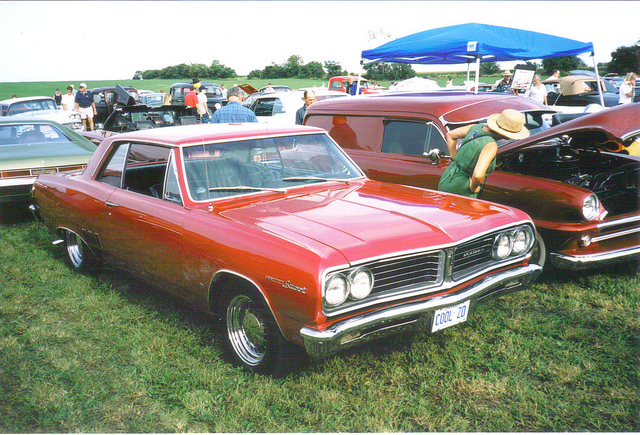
(111, 172)
(145, 169)
(264, 107)
(351, 132)
(278, 107)
(336, 85)
(411, 138)
(172, 189)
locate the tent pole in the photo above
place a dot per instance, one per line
(468, 65)
(595, 67)
(477, 74)
(359, 77)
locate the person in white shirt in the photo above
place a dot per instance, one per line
(69, 100)
(627, 89)
(203, 108)
(538, 91)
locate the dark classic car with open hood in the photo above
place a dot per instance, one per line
(579, 181)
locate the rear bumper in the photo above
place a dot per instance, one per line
(411, 316)
(580, 262)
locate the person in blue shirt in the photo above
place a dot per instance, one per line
(309, 99)
(85, 106)
(353, 88)
(234, 111)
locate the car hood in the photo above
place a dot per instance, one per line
(28, 156)
(248, 88)
(619, 122)
(59, 116)
(372, 219)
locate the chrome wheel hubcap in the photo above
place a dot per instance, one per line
(247, 330)
(75, 249)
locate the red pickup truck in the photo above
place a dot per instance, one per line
(339, 83)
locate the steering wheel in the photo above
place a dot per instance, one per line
(286, 170)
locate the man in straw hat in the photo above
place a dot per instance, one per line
(475, 158)
(505, 84)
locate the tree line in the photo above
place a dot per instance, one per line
(623, 60)
(294, 67)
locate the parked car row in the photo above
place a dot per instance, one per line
(313, 239)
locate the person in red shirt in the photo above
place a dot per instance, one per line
(191, 99)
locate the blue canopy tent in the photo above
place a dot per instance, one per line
(472, 42)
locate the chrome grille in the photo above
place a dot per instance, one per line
(471, 256)
(399, 274)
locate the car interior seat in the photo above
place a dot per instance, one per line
(32, 137)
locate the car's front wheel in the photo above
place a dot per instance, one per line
(252, 335)
(77, 253)
(539, 253)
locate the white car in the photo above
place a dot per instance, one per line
(38, 108)
(279, 108)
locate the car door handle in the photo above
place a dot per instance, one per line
(111, 204)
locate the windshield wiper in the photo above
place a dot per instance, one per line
(316, 179)
(246, 188)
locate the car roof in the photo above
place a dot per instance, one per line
(110, 88)
(29, 122)
(450, 107)
(205, 84)
(20, 99)
(347, 77)
(572, 85)
(199, 133)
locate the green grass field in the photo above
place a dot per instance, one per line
(105, 353)
(25, 89)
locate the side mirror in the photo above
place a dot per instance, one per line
(433, 155)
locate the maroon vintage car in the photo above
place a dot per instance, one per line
(576, 180)
(278, 232)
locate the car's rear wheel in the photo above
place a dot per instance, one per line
(77, 253)
(252, 335)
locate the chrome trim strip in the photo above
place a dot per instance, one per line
(614, 235)
(580, 262)
(623, 221)
(410, 316)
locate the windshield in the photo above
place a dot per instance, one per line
(270, 164)
(31, 133)
(31, 106)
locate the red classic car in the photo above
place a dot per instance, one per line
(279, 233)
(576, 180)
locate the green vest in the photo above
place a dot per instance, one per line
(455, 178)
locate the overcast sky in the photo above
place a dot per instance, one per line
(98, 40)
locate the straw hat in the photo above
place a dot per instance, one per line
(506, 73)
(509, 123)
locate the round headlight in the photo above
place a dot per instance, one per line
(337, 290)
(590, 207)
(522, 240)
(361, 283)
(502, 246)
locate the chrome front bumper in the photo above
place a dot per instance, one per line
(580, 262)
(411, 316)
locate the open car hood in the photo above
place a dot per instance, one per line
(619, 123)
(248, 88)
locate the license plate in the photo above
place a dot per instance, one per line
(449, 316)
